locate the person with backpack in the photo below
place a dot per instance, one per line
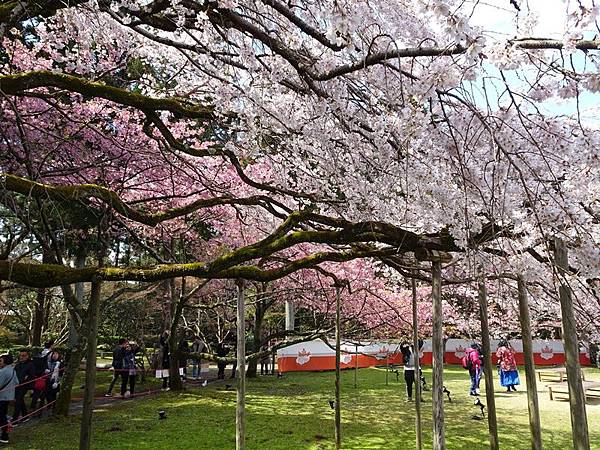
(509, 376)
(8, 383)
(40, 383)
(408, 358)
(129, 371)
(473, 362)
(117, 365)
(25, 371)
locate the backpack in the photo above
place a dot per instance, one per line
(466, 360)
(40, 383)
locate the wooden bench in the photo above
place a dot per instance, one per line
(553, 372)
(590, 388)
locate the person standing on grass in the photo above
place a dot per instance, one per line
(183, 349)
(117, 365)
(222, 352)
(472, 361)
(8, 383)
(197, 347)
(55, 375)
(129, 370)
(25, 370)
(166, 359)
(509, 376)
(264, 363)
(408, 357)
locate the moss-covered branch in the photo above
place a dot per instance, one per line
(48, 275)
(66, 193)
(19, 83)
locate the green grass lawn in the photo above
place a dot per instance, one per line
(293, 413)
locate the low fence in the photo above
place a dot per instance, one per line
(317, 355)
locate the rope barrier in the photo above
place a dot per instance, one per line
(12, 423)
(37, 411)
(33, 380)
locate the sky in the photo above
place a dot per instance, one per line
(501, 21)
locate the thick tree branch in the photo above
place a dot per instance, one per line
(19, 83)
(80, 192)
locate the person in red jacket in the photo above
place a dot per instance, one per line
(472, 361)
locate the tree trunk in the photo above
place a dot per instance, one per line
(63, 402)
(176, 309)
(439, 442)
(489, 378)
(418, 430)
(73, 325)
(338, 415)
(532, 397)
(579, 426)
(38, 318)
(240, 410)
(73, 359)
(85, 435)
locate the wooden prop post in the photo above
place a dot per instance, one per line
(387, 365)
(356, 366)
(240, 410)
(532, 398)
(338, 416)
(579, 425)
(418, 430)
(437, 384)
(489, 378)
(439, 440)
(290, 315)
(85, 435)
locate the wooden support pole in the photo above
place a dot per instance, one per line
(489, 378)
(387, 365)
(579, 426)
(439, 441)
(240, 410)
(290, 315)
(338, 416)
(85, 435)
(532, 397)
(356, 366)
(418, 430)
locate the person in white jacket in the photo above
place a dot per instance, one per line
(8, 381)
(54, 370)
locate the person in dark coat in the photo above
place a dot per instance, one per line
(117, 365)
(166, 358)
(129, 370)
(222, 351)
(197, 347)
(183, 349)
(25, 370)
